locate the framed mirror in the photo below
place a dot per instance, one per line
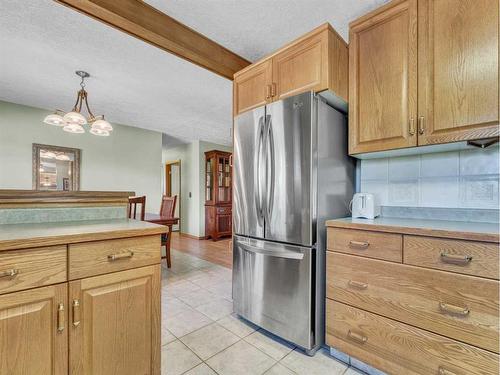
(56, 168)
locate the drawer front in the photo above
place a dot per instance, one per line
(99, 257)
(368, 244)
(224, 210)
(461, 307)
(31, 268)
(397, 348)
(467, 257)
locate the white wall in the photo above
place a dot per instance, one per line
(458, 179)
(128, 160)
(192, 157)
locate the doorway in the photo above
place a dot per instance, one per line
(173, 187)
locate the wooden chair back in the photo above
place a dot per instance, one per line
(132, 207)
(168, 206)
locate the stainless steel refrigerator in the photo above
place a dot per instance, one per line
(291, 173)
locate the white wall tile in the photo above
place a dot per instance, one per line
(374, 169)
(467, 179)
(439, 165)
(478, 162)
(403, 193)
(404, 168)
(378, 188)
(479, 191)
(439, 192)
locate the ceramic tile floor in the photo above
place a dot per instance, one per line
(202, 336)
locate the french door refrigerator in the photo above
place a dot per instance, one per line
(291, 172)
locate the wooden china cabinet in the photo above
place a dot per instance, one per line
(218, 194)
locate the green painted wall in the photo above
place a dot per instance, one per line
(129, 160)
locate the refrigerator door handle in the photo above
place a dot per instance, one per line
(269, 166)
(258, 194)
(277, 254)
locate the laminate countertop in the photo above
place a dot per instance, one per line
(22, 236)
(488, 232)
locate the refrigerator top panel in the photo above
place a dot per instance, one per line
(288, 212)
(248, 173)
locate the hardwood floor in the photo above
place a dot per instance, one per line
(216, 252)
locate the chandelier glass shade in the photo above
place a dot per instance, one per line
(74, 121)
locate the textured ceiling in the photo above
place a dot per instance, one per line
(255, 28)
(42, 43)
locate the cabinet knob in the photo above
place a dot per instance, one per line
(358, 337)
(461, 260)
(421, 125)
(411, 126)
(126, 255)
(268, 91)
(60, 318)
(273, 89)
(453, 310)
(76, 313)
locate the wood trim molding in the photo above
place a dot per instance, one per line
(148, 24)
(42, 198)
(192, 236)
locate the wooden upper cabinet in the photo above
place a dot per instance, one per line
(33, 331)
(301, 67)
(115, 323)
(316, 62)
(458, 70)
(252, 88)
(383, 79)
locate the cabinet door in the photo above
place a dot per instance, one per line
(33, 332)
(252, 88)
(115, 323)
(302, 67)
(383, 79)
(458, 70)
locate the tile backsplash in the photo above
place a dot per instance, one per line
(458, 179)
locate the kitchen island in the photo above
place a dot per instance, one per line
(80, 297)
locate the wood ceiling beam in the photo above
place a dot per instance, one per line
(141, 20)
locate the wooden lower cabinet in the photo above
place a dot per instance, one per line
(218, 222)
(397, 348)
(115, 323)
(462, 307)
(33, 332)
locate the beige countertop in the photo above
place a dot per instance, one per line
(436, 228)
(21, 236)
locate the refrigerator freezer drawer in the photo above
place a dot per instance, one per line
(272, 287)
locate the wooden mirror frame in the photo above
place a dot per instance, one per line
(75, 170)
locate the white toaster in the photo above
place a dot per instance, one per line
(364, 205)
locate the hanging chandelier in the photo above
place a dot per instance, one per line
(73, 121)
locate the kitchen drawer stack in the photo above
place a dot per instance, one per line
(413, 304)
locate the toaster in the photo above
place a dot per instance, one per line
(364, 205)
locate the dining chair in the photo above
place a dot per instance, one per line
(167, 209)
(133, 202)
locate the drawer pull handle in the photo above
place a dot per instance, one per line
(357, 284)
(119, 256)
(357, 337)
(76, 313)
(9, 273)
(60, 318)
(454, 310)
(359, 244)
(456, 259)
(443, 371)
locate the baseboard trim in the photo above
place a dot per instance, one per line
(192, 236)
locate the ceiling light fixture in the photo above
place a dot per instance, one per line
(73, 121)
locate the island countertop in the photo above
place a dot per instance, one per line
(22, 236)
(488, 232)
